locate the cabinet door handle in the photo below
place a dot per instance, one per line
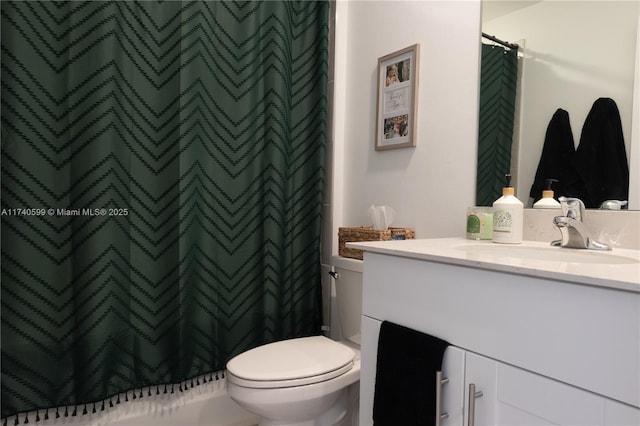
(439, 382)
(473, 394)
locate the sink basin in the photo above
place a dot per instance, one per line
(548, 253)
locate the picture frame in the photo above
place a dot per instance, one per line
(397, 99)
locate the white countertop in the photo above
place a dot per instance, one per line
(616, 269)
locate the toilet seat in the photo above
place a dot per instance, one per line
(293, 362)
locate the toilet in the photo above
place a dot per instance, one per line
(308, 381)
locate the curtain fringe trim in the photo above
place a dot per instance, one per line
(104, 405)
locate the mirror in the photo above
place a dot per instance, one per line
(573, 52)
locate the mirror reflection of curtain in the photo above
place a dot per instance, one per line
(498, 84)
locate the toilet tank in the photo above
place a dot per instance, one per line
(348, 296)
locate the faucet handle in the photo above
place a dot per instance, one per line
(572, 207)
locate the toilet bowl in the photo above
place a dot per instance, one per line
(305, 381)
(295, 382)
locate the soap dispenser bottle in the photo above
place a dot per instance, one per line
(547, 201)
(508, 216)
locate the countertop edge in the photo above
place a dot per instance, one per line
(442, 250)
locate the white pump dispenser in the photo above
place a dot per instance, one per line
(508, 216)
(547, 201)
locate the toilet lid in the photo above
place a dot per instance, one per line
(293, 359)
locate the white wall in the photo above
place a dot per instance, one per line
(575, 52)
(430, 185)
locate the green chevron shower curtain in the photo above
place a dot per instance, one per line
(162, 176)
(498, 84)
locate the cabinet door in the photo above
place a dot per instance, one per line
(480, 392)
(618, 414)
(452, 391)
(525, 398)
(515, 397)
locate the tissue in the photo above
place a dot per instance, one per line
(381, 216)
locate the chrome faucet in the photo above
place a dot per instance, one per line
(573, 232)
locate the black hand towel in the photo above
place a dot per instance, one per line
(557, 154)
(405, 389)
(601, 157)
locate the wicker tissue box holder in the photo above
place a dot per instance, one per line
(367, 233)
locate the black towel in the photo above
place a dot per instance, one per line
(601, 158)
(557, 154)
(405, 389)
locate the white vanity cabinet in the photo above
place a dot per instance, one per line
(541, 351)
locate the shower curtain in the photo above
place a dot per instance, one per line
(162, 177)
(498, 84)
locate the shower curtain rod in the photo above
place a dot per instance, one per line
(504, 43)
